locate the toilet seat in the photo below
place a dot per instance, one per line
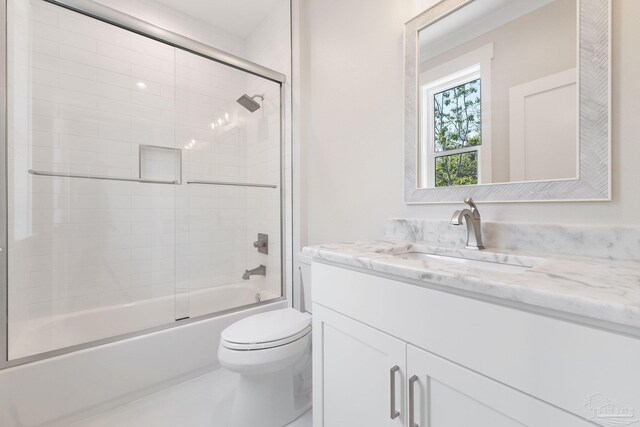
(267, 330)
(266, 345)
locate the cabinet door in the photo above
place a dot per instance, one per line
(448, 395)
(359, 373)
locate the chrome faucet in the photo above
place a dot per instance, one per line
(261, 270)
(472, 219)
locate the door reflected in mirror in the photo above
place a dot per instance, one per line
(498, 94)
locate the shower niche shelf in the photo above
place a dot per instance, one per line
(160, 164)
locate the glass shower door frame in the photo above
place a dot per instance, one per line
(4, 288)
(129, 23)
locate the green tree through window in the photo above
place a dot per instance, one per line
(457, 126)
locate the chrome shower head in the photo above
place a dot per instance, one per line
(248, 102)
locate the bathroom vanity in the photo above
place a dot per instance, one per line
(504, 102)
(418, 334)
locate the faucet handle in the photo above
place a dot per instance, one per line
(472, 205)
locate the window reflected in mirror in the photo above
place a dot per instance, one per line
(457, 136)
(498, 99)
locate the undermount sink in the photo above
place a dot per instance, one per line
(518, 265)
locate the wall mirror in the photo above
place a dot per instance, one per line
(508, 100)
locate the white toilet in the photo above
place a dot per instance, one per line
(272, 353)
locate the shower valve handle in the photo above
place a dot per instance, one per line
(262, 244)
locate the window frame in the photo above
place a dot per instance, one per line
(429, 91)
(450, 74)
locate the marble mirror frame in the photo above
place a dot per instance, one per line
(594, 83)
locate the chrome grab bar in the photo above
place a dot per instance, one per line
(392, 392)
(233, 184)
(412, 403)
(101, 177)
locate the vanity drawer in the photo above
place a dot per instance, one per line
(560, 362)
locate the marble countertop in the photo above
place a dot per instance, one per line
(602, 290)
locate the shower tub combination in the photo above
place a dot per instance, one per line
(61, 331)
(139, 172)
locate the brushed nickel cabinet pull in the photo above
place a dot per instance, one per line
(392, 392)
(412, 395)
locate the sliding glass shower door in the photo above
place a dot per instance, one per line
(144, 183)
(232, 158)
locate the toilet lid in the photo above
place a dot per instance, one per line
(277, 325)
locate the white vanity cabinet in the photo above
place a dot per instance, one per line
(441, 360)
(370, 378)
(363, 373)
(444, 394)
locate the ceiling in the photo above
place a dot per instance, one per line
(472, 20)
(238, 17)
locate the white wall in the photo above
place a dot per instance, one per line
(351, 112)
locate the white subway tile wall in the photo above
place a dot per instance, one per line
(84, 96)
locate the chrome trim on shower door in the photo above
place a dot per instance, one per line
(283, 204)
(4, 320)
(130, 23)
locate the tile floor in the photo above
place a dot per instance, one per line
(202, 402)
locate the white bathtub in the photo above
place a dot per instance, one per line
(45, 334)
(57, 391)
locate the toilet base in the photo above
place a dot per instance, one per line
(271, 400)
(274, 388)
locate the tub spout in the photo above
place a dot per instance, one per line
(258, 271)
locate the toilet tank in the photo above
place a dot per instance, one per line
(304, 264)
